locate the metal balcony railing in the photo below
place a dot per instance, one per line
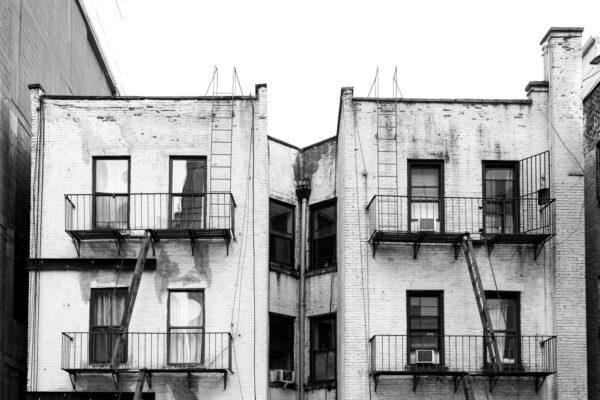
(160, 352)
(461, 354)
(153, 211)
(527, 220)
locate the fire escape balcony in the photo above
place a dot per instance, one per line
(117, 216)
(416, 220)
(459, 356)
(190, 352)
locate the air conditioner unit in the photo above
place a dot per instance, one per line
(427, 357)
(282, 376)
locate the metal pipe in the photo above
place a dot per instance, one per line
(301, 303)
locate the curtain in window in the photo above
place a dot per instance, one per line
(188, 182)
(501, 315)
(107, 312)
(186, 328)
(112, 188)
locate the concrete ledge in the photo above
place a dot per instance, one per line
(565, 31)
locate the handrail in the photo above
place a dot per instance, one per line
(210, 211)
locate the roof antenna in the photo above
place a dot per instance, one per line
(375, 84)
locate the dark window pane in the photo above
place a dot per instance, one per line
(323, 236)
(324, 250)
(323, 349)
(324, 222)
(188, 176)
(280, 250)
(281, 342)
(281, 218)
(281, 242)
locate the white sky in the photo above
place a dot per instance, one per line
(306, 51)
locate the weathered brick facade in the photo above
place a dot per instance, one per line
(368, 288)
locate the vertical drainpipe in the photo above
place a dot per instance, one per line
(303, 193)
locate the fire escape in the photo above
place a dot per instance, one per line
(154, 217)
(527, 219)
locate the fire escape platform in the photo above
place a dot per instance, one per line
(454, 238)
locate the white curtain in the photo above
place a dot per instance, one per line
(499, 310)
(186, 328)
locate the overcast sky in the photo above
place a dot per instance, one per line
(306, 51)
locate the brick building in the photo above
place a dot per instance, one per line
(591, 108)
(331, 271)
(50, 42)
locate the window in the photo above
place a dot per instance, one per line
(425, 191)
(188, 192)
(504, 315)
(107, 307)
(322, 345)
(111, 192)
(425, 328)
(281, 342)
(598, 172)
(501, 193)
(281, 238)
(186, 327)
(323, 231)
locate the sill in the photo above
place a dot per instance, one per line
(290, 386)
(329, 385)
(321, 271)
(284, 270)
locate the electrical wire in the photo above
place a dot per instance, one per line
(561, 139)
(362, 270)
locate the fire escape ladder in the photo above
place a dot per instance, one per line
(130, 302)
(387, 166)
(220, 145)
(489, 336)
(468, 389)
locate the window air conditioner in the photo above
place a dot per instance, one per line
(427, 357)
(282, 376)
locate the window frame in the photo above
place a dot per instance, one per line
(95, 193)
(291, 353)
(313, 320)
(292, 208)
(169, 327)
(313, 208)
(508, 295)
(503, 164)
(409, 332)
(432, 164)
(201, 194)
(94, 328)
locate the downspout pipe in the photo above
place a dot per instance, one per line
(303, 193)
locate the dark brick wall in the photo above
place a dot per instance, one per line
(591, 109)
(44, 42)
